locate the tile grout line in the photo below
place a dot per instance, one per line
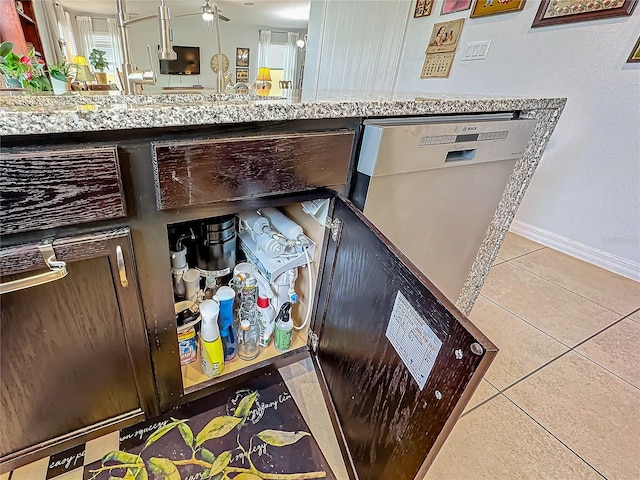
(557, 284)
(522, 254)
(554, 436)
(525, 320)
(546, 364)
(570, 349)
(607, 370)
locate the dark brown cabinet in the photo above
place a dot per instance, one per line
(94, 333)
(75, 357)
(51, 188)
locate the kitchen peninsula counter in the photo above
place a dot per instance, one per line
(44, 114)
(107, 184)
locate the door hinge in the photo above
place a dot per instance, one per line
(335, 225)
(314, 341)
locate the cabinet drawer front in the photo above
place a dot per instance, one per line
(205, 171)
(47, 189)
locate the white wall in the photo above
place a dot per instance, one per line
(192, 31)
(355, 44)
(587, 187)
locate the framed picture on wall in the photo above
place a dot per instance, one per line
(242, 57)
(635, 53)
(242, 75)
(554, 12)
(423, 8)
(491, 7)
(445, 36)
(451, 6)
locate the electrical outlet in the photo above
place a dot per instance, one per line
(476, 50)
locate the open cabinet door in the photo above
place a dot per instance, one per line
(398, 361)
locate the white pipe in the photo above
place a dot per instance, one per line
(310, 299)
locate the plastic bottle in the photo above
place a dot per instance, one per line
(226, 297)
(211, 353)
(284, 328)
(267, 320)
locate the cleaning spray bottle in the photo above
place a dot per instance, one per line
(284, 328)
(267, 320)
(211, 352)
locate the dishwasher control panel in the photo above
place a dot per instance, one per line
(428, 143)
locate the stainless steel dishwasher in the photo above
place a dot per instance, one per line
(432, 185)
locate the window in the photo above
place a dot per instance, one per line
(277, 53)
(102, 41)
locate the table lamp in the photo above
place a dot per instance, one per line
(83, 74)
(263, 82)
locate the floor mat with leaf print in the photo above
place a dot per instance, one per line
(251, 432)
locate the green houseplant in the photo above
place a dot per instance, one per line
(60, 73)
(99, 64)
(22, 70)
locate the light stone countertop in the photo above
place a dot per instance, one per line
(44, 114)
(47, 114)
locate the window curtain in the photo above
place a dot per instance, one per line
(85, 31)
(116, 46)
(264, 41)
(45, 14)
(291, 59)
(66, 33)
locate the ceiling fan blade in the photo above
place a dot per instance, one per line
(186, 15)
(222, 17)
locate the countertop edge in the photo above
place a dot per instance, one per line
(84, 118)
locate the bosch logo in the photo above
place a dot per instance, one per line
(469, 129)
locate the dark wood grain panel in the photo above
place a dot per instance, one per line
(50, 188)
(204, 171)
(64, 361)
(389, 423)
(27, 257)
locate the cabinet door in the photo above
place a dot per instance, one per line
(75, 356)
(398, 360)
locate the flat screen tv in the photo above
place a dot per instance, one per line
(187, 63)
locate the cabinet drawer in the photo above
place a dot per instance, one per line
(53, 188)
(204, 171)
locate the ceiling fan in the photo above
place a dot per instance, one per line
(206, 11)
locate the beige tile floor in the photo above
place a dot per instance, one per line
(562, 398)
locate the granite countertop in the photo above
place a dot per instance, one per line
(42, 114)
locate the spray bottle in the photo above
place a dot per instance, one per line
(211, 353)
(267, 320)
(284, 328)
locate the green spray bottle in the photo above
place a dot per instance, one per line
(284, 328)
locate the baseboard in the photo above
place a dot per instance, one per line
(600, 258)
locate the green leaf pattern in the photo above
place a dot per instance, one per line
(186, 433)
(216, 428)
(244, 406)
(122, 457)
(278, 438)
(163, 468)
(162, 431)
(221, 463)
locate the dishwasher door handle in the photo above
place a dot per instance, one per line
(57, 270)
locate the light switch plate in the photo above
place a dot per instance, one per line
(476, 50)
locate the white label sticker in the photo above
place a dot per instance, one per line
(413, 340)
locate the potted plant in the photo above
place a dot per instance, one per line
(22, 70)
(60, 73)
(99, 64)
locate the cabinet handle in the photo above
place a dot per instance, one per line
(122, 270)
(58, 270)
